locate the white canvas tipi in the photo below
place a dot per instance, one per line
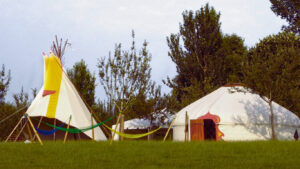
(59, 99)
(235, 116)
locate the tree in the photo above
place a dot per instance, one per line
(4, 83)
(34, 92)
(272, 70)
(125, 75)
(290, 11)
(8, 119)
(234, 52)
(21, 99)
(84, 81)
(205, 59)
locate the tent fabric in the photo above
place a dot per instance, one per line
(243, 116)
(69, 103)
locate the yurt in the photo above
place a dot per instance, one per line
(226, 114)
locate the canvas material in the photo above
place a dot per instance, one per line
(244, 116)
(69, 103)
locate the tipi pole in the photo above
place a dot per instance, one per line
(66, 134)
(169, 129)
(54, 128)
(13, 130)
(20, 132)
(35, 132)
(93, 132)
(38, 125)
(29, 132)
(112, 138)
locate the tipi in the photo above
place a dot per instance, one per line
(58, 100)
(229, 115)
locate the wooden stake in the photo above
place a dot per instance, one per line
(29, 132)
(66, 134)
(121, 126)
(35, 132)
(186, 131)
(169, 129)
(115, 129)
(20, 132)
(93, 132)
(13, 130)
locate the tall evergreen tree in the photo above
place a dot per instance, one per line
(273, 70)
(290, 11)
(4, 83)
(21, 99)
(205, 59)
(84, 81)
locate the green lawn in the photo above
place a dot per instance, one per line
(152, 154)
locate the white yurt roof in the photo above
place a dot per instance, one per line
(235, 108)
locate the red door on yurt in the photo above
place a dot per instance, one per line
(197, 132)
(206, 128)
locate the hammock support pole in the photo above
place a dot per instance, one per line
(38, 126)
(29, 132)
(35, 132)
(169, 129)
(66, 134)
(18, 135)
(13, 130)
(114, 133)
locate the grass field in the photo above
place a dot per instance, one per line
(151, 154)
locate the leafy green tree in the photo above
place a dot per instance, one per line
(125, 75)
(8, 121)
(4, 83)
(84, 81)
(290, 11)
(273, 70)
(21, 99)
(234, 52)
(205, 59)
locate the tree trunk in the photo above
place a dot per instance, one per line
(274, 137)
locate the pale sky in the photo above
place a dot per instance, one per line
(93, 27)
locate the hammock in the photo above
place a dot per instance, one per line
(75, 130)
(131, 136)
(47, 132)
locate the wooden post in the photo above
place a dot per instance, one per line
(66, 134)
(186, 130)
(121, 126)
(35, 132)
(112, 139)
(54, 128)
(29, 132)
(13, 130)
(93, 132)
(169, 129)
(38, 125)
(20, 132)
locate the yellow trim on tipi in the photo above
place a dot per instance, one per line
(52, 82)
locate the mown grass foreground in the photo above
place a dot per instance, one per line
(151, 154)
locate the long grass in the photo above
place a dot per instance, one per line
(151, 154)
